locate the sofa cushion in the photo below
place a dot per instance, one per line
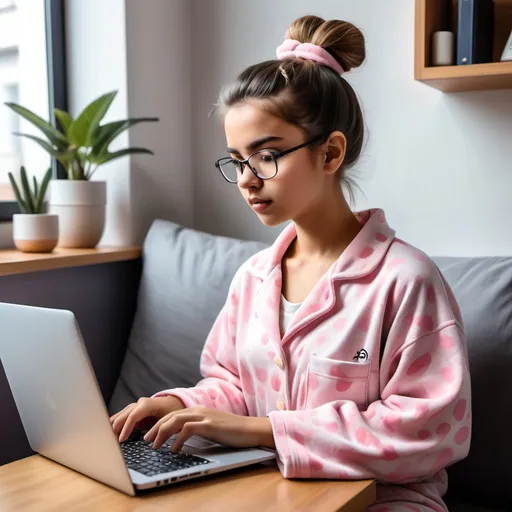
(185, 280)
(483, 289)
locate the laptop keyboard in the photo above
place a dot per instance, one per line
(141, 457)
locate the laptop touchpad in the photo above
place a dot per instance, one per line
(197, 442)
(201, 443)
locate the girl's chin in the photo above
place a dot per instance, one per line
(271, 220)
(269, 216)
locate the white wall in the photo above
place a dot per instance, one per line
(229, 36)
(142, 50)
(96, 61)
(158, 36)
(439, 164)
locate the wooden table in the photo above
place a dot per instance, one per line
(36, 484)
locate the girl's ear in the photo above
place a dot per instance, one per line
(335, 152)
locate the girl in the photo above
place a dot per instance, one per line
(341, 346)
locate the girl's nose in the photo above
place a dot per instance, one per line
(249, 179)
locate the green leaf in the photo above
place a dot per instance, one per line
(64, 119)
(81, 128)
(53, 135)
(102, 138)
(49, 149)
(17, 193)
(28, 193)
(42, 191)
(64, 159)
(107, 133)
(100, 114)
(36, 191)
(76, 168)
(107, 157)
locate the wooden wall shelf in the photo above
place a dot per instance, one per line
(432, 15)
(16, 262)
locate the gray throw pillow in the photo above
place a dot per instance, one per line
(185, 280)
(483, 289)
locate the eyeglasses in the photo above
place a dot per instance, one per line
(263, 163)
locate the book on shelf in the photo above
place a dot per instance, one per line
(475, 31)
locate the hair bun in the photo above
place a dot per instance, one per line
(341, 39)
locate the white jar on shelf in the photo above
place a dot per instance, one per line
(443, 51)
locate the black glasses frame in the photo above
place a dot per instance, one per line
(240, 164)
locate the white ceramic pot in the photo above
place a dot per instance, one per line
(80, 206)
(35, 232)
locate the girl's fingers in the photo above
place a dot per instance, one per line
(153, 431)
(120, 420)
(172, 426)
(119, 413)
(138, 413)
(193, 428)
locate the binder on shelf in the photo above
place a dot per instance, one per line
(475, 31)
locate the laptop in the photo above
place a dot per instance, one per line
(65, 417)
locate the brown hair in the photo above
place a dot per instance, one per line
(308, 94)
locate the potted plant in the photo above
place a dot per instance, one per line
(81, 145)
(33, 229)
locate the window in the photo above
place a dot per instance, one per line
(32, 73)
(5, 5)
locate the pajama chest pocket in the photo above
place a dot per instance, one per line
(332, 379)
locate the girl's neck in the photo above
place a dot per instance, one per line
(325, 230)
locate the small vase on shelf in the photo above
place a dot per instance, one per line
(33, 229)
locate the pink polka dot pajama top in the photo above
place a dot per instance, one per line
(371, 378)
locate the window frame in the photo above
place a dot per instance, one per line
(57, 83)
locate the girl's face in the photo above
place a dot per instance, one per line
(300, 182)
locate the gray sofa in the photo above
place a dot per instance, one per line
(185, 278)
(184, 283)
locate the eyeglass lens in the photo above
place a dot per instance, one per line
(263, 163)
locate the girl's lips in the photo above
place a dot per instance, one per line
(260, 207)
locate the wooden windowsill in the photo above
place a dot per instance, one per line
(13, 261)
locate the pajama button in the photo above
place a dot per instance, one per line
(280, 405)
(279, 362)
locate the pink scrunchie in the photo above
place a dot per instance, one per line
(292, 48)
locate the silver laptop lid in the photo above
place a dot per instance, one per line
(56, 393)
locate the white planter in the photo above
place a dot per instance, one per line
(35, 232)
(80, 206)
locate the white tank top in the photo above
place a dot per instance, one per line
(286, 312)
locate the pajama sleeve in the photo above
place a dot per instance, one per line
(420, 424)
(220, 388)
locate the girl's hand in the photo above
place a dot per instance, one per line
(218, 426)
(143, 414)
